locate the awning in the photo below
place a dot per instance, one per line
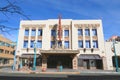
(89, 56)
(29, 55)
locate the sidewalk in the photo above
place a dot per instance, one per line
(54, 71)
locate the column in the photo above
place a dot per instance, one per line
(91, 43)
(29, 38)
(44, 62)
(63, 39)
(74, 62)
(36, 37)
(83, 37)
(104, 60)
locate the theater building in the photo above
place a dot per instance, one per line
(75, 44)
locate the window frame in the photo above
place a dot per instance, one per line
(87, 32)
(33, 32)
(79, 44)
(80, 32)
(25, 44)
(66, 33)
(26, 33)
(66, 45)
(87, 44)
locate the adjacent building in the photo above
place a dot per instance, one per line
(6, 52)
(75, 44)
(112, 48)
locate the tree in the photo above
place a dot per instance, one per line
(12, 8)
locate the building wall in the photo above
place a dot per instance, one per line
(100, 50)
(70, 24)
(6, 51)
(110, 53)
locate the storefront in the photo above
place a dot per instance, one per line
(90, 61)
(66, 58)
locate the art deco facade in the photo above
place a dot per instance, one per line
(76, 44)
(6, 52)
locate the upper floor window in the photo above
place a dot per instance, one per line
(87, 32)
(26, 32)
(33, 33)
(25, 44)
(39, 44)
(52, 44)
(66, 33)
(94, 32)
(2, 43)
(80, 44)
(32, 44)
(39, 32)
(60, 44)
(87, 43)
(53, 32)
(80, 32)
(66, 44)
(8, 45)
(1, 50)
(95, 44)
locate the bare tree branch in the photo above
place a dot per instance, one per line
(13, 9)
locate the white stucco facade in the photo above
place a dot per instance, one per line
(66, 24)
(110, 53)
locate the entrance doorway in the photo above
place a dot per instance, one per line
(54, 60)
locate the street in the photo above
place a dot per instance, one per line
(82, 76)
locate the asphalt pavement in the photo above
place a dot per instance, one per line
(52, 74)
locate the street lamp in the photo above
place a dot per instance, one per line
(14, 63)
(116, 59)
(34, 63)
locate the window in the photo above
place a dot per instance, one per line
(94, 32)
(80, 44)
(8, 45)
(60, 44)
(26, 32)
(33, 33)
(87, 43)
(80, 32)
(66, 44)
(2, 43)
(32, 44)
(25, 44)
(87, 32)
(39, 32)
(1, 50)
(66, 33)
(95, 44)
(39, 44)
(53, 32)
(52, 44)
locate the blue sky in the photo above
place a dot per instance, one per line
(107, 10)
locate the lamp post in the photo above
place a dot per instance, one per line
(14, 63)
(34, 63)
(116, 59)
